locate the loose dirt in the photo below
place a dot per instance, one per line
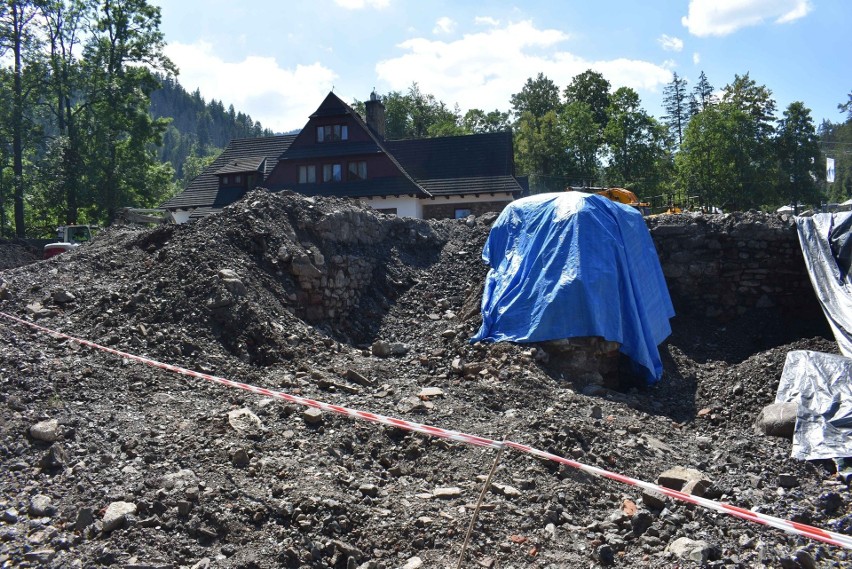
(218, 477)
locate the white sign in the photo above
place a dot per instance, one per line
(829, 170)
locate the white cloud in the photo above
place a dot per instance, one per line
(481, 70)
(444, 25)
(361, 4)
(486, 21)
(723, 17)
(282, 101)
(696, 58)
(670, 43)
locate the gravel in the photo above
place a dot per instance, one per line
(107, 462)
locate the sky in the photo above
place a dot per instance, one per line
(276, 60)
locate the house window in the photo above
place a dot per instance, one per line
(225, 180)
(357, 170)
(332, 133)
(331, 172)
(238, 179)
(307, 174)
(462, 213)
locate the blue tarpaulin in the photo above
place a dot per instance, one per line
(572, 264)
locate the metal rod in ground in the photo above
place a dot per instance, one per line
(485, 488)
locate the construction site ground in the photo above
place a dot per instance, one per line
(106, 462)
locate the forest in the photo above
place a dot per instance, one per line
(94, 120)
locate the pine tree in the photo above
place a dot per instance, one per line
(677, 107)
(702, 95)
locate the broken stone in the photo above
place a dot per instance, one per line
(777, 420)
(40, 506)
(85, 518)
(413, 563)
(381, 349)
(698, 551)
(232, 282)
(47, 431)
(505, 490)
(116, 515)
(312, 416)
(428, 392)
(447, 493)
(787, 481)
(240, 458)
(356, 377)
(63, 297)
(244, 421)
(370, 490)
(677, 478)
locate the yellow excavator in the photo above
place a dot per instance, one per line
(620, 195)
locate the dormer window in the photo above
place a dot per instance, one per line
(332, 133)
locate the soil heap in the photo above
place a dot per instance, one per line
(107, 462)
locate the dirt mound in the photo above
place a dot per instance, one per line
(16, 254)
(109, 462)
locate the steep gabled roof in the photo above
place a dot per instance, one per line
(249, 155)
(334, 106)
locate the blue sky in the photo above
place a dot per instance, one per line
(277, 60)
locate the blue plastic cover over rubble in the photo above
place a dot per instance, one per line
(572, 264)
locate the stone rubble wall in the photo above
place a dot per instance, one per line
(722, 266)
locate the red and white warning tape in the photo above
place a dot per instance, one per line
(805, 530)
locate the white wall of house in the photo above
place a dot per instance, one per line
(405, 206)
(467, 199)
(413, 207)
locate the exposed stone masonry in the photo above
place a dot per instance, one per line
(722, 266)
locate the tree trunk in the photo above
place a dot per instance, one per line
(17, 124)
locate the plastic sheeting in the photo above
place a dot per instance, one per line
(820, 384)
(825, 244)
(572, 264)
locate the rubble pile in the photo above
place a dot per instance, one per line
(107, 462)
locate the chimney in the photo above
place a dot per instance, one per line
(375, 115)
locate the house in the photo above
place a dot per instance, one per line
(340, 154)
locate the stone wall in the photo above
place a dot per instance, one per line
(722, 266)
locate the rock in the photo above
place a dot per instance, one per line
(370, 490)
(777, 420)
(505, 490)
(356, 377)
(787, 481)
(179, 479)
(605, 554)
(63, 297)
(232, 282)
(85, 518)
(447, 493)
(381, 349)
(54, 458)
(40, 557)
(653, 500)
(10, 516)
(244, 421)
(399, 349)
(240, 458)
(40, 506)
(429, 392)
(312, 416)
(116, 515)
(698, 551)
(805, 559)
(687, 480)
(47, 431)
(413, 563)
